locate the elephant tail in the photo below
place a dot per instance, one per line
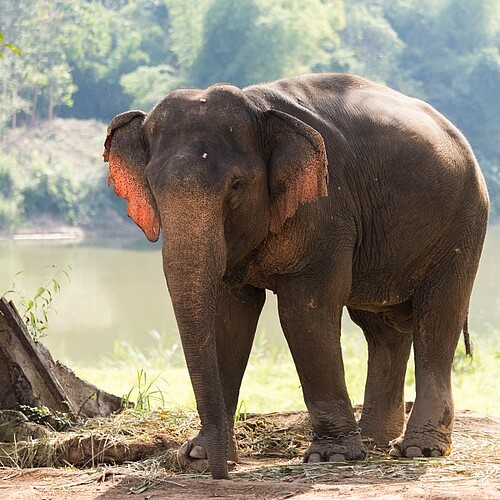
(467, 342)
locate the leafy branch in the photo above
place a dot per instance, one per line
(36, 310)
(9, 46)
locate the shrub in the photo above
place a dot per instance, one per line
(11, 199)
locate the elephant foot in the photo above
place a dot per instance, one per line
(335, 449)
(426, 446)
(380, 436)
(382, 424)
(193, 455)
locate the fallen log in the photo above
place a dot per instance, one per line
(30, 376)
(25, 444)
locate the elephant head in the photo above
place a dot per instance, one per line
(218, 175)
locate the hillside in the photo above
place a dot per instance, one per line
(61, 141)
(52, 177)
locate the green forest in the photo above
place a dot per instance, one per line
(88, 60)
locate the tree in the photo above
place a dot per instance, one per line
(370, 46)
(452, 50)
(148, 84)
(42, 77)
(11, 102)
(186, 21)
(112, 41)
(470, 37)
(252, 40)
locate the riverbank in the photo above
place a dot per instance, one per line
(52, 227)
(112, 225)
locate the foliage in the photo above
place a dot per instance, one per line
(148, 84)
(35, 311)
(5, 45)
(371, 47)
(11, 197)
(187, 18)
(96, 58)
(49, 188)
(42, 415)
(252, 40)
(491, 169)
(46, 172)
(147, 394)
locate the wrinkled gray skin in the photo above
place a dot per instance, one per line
(237, 181)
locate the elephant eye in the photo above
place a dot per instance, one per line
(235, 195)
(237, 185)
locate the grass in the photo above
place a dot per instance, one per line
(160, 377)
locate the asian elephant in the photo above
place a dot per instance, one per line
(331, 191)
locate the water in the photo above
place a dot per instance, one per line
(118, 293)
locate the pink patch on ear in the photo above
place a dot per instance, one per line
(139, 207)
(307, 186)
(313, 183)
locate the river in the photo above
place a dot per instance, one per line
(117, 292)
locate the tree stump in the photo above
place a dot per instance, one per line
(30, 376)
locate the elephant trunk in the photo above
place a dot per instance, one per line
(194, 259)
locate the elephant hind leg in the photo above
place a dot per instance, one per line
(382, 419)
(428, 432)
(440, 307)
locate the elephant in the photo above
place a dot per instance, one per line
(331, 191)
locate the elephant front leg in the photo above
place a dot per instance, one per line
(383, 415)
(237, 315)
(311, 322)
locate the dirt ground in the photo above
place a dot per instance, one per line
(471, 472)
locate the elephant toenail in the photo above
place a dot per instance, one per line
(413, 451)
(183, 450)
(395, 452)
(336, 458)
(198, 452)
(314, 458)
(435, 453)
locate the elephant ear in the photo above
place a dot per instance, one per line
(125, 151)
(297, 168)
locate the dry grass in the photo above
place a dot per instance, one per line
(145, 444)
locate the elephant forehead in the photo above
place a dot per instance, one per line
(201, 148)
(211, 111)
(219, 97)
